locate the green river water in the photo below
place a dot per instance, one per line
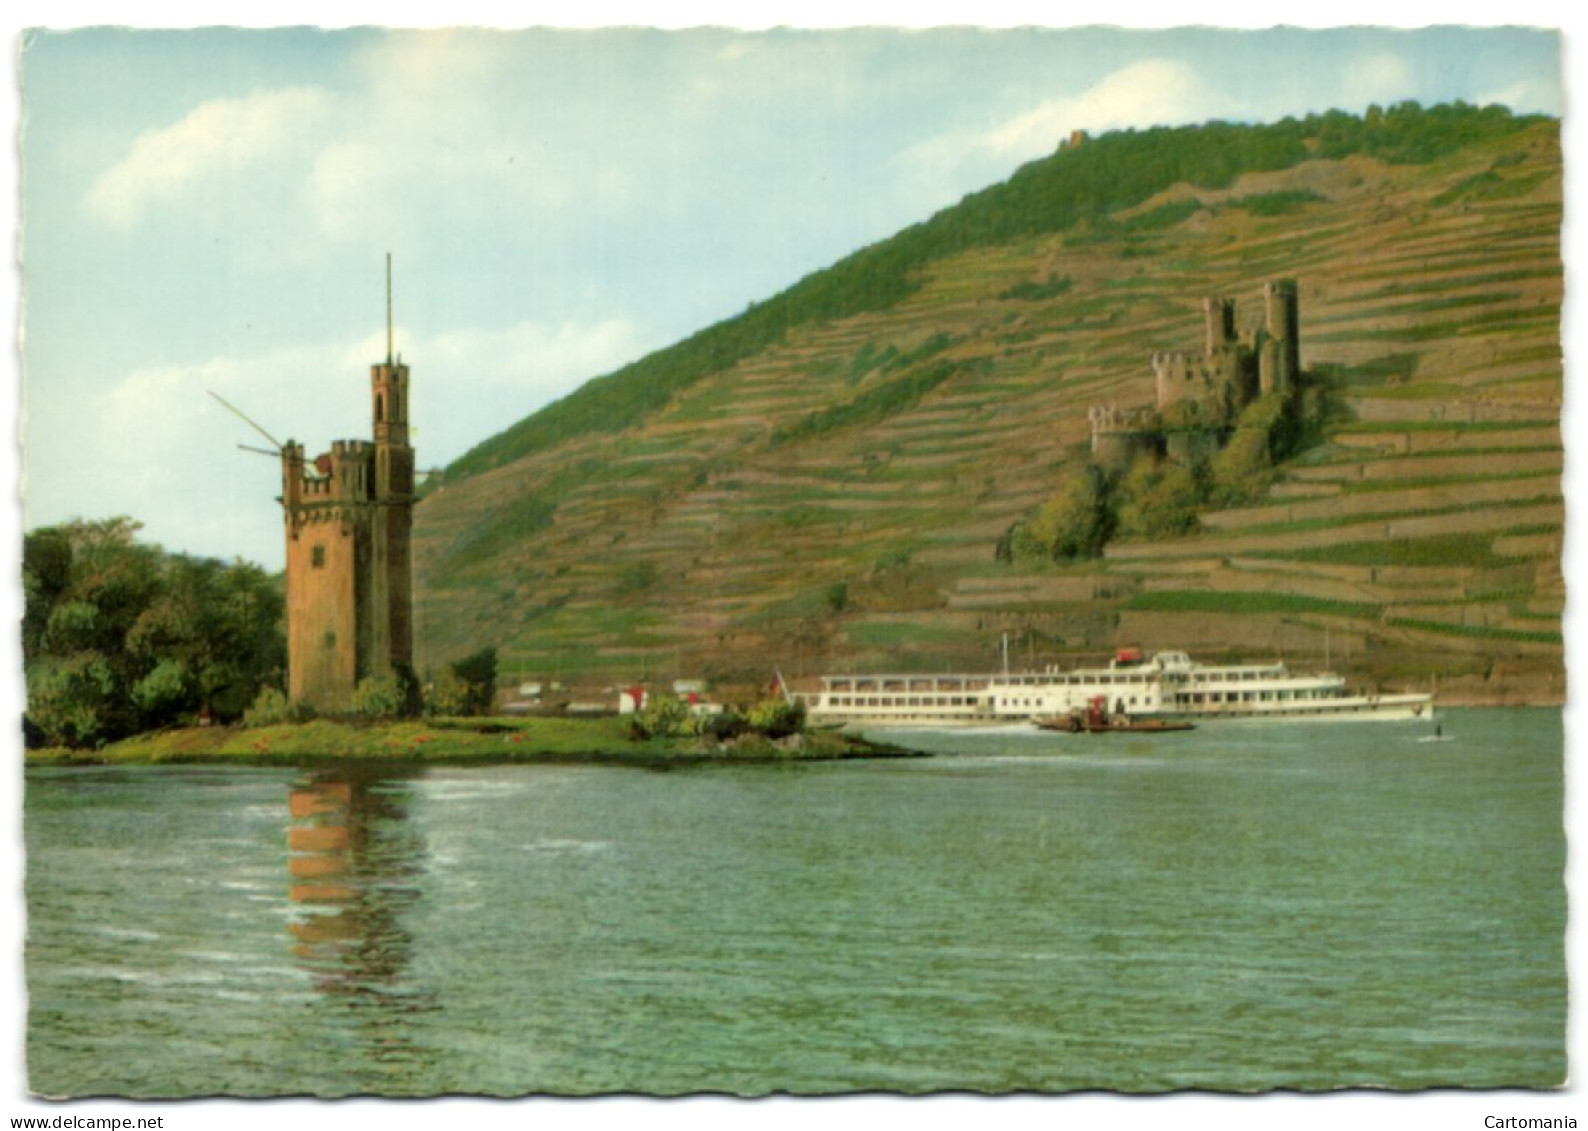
(1242, 908)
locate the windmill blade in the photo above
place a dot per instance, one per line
(246, 419)
(258, 451)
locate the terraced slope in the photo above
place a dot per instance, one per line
(832, 500)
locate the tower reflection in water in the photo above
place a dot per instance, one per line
(355, 863)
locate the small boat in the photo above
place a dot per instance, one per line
(1072, 724)
(1095, 719)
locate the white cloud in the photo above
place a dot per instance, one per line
(420, 69)
(533, 355)
(467, 385)
(1377, 78)
(167, 452)
(470, 384)
(218, 140)
(440, 135)
(1149, 93)
(1524, 97)
(342, 191)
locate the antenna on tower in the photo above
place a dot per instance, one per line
(246, 419)
(388, 308)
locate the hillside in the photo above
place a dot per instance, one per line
(822, 483)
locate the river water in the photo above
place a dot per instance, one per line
(1246, 908)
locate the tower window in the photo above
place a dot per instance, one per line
(380, 409)
(317, 557)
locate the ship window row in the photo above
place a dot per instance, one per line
(1250, 696)
(902, 701)
(1095, 678)
(1130, 701)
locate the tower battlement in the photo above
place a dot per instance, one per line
(1120, 434)
(1112, 418)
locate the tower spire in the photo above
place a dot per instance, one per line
(388, 308)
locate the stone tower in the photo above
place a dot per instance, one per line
(1281, 362)
(349, 516)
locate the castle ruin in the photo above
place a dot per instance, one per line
(349, 517)
(1199, 396)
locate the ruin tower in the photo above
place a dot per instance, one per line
(1282, 316)
(349, 519)
(1219, 314)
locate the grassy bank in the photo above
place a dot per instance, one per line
(453, 742)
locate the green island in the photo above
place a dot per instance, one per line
(605, 740)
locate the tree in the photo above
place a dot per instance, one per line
(46, 574)
(1159, 500)
(219, 625)
(1264, 435)
(1074, 523)
(478, 673)
(119, 636)
(72, 700)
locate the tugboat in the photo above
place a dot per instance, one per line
(1096, 719)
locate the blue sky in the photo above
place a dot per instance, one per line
(210, 210)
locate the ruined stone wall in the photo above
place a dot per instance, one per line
(1119, 435)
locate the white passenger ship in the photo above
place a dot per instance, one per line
(1169, 686)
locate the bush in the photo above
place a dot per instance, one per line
(447, 695)
(272, 708)
(663, 716)
(478, 673)
(1278, 203)
(1265, 434)
(723, 726)
(1032, 291)
(378, 697)
(873, 405)
(1074, 523)
(777, 718)
(1243, 469)
(1159, 500)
